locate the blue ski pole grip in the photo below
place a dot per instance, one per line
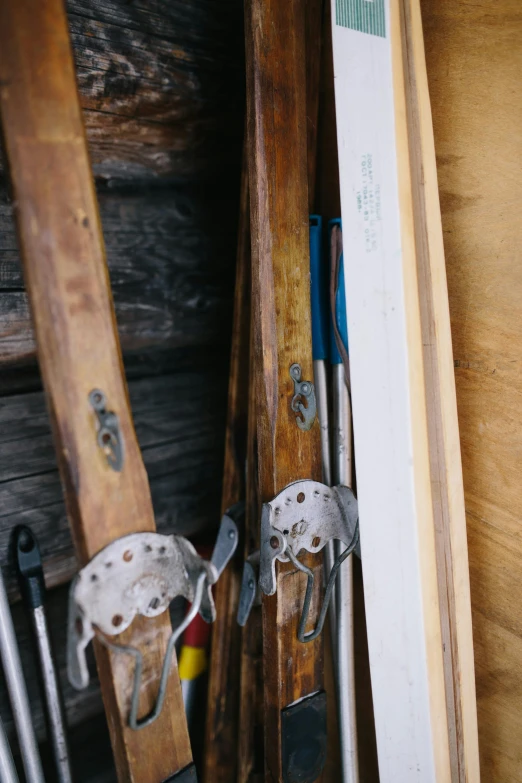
(340, 304)
(318, 292)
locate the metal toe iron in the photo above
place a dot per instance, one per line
(140, 574)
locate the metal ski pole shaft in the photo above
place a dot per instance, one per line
(17, 691)
(7, 768)
(342, 474)
(32, 585)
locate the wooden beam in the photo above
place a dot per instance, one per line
(441, 405)
(67, 280)
(277, 143)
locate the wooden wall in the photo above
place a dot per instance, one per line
(474, 57)
(161, 85)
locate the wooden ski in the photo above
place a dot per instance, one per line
(277, 144)
(406, 433)
(67, 281)
(222, 723)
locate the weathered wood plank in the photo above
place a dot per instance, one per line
(160, 86)
(171, 261)
(179, 421)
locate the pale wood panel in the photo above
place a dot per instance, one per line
(441, 405)
(474, 57)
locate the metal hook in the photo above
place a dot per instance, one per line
(134, 723)
(303, 390)
(309, 637)
(109, 435)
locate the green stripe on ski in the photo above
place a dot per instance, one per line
(366, 16)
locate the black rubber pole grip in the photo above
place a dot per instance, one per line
(29, 566)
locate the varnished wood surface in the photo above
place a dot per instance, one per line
(222, 720)
(67, 280)
(277, 141)
(170, 253)
(443, 431)
(474, 58)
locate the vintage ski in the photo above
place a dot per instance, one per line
(293, 527)
(223, 704)
(409, 477)
(127, 570)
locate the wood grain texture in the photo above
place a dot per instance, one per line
(222, 720)
(179, 421)
(66, 276)
(277, 141)
(170, 258)
(251, 755)
(421, 455)
(161, 86)
(474, 61)
(314, 14)
(441, 405)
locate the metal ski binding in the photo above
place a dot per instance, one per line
(250, 594)
(305, 515)
(141, 574)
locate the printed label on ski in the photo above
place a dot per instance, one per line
(366, 16)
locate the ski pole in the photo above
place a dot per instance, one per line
(320, 333)
(32, 586)
(320, 354)
(7, 767)
(18, 692)
(342, 474)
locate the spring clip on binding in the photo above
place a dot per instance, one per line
(141, 574)
(305, 515)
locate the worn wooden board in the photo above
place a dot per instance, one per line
(160, 85)
(474, 58)
(61, 245)
(179, 422)
(170, 253)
